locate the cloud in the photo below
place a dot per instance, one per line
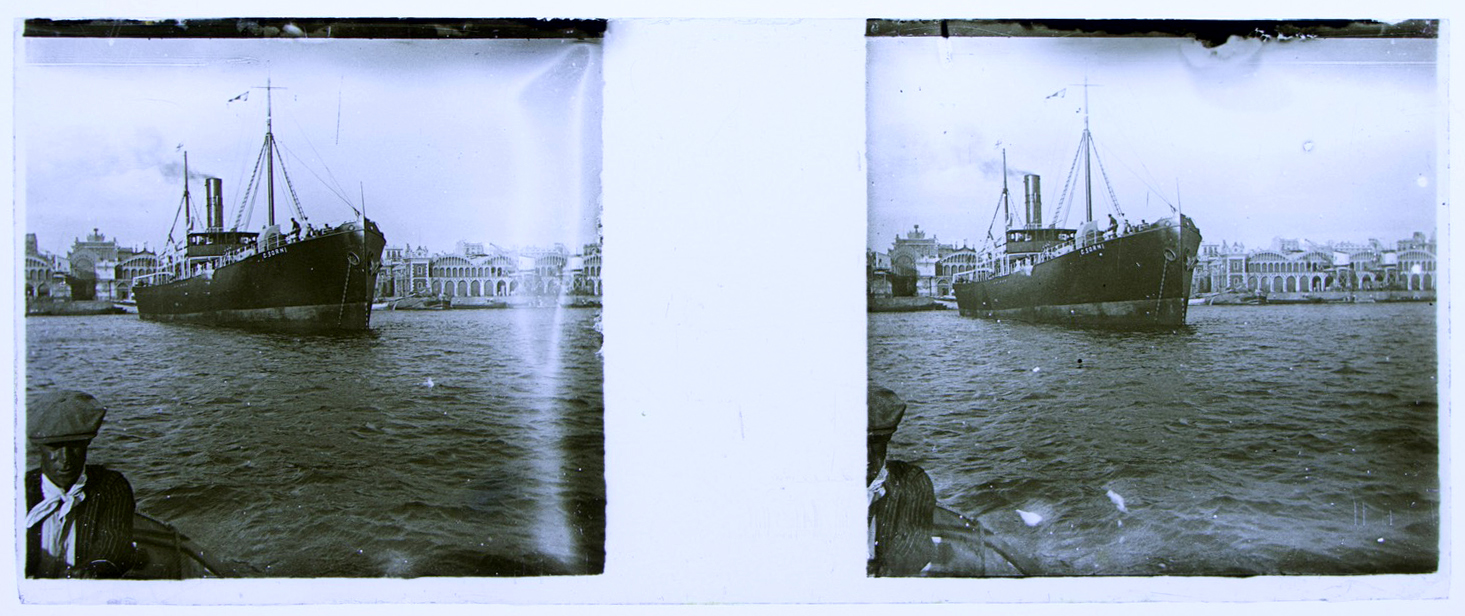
(1224, 126)
(433, 132)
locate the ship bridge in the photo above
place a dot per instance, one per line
(217, 243)
(1034, 240)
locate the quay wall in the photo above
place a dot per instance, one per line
(902, 304)
(1326, 297)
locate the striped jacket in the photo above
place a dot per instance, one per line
(104, 547)
(903, 521)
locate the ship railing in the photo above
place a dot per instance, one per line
(966, 275)
(981, 273)
(155, 278)
(992, 267)
(1055, 251)
(236, 255)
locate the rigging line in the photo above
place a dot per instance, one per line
(241, 144)
(246, 199)
(992, 241)
(1113, 200)
(257, 183)
(176, 214)
(243, 195)
(246, 204)
(1069, 189)
(289, 186)
(294, 199)
(243, 137)
(333, 185)
(323, 181)
(306, 137)
(1149, 179)
(1123, 129)
(339, 96)
(1147, 184)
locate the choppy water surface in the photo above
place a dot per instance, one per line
(439, 443)
(1258, 440)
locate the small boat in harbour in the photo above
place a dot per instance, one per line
(66, 307)
(476, 303)
(311, 279)
(163, 553)
(421, 303)
(964, 548)
(902, 304)
(1304, 298)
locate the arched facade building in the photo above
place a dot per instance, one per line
(95, 268)
(1288, 267)
(493, 272)
(918, 265)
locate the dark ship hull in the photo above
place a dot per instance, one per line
(319, 283)
(1141, 279)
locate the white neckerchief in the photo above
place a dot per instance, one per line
(875, 491)
(53, 513)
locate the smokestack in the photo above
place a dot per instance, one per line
(214, 189)
(1034, 200)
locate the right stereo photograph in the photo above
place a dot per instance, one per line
(1153, 298)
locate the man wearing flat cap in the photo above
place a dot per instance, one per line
(902, 499)
(79, 516)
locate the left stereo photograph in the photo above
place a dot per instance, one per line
(310, 298)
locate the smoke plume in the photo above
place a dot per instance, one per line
(174, 171)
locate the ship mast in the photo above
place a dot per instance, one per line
(270, 148)
(1088, 176)
(187, 211)
(1006, 215)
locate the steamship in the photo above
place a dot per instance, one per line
(306, 279)
(1129, 276)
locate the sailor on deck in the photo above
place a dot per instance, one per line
(901, 497)
(79, 517)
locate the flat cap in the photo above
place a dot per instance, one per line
(886, 410)
(61, 416)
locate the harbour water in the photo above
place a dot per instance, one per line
(1258, 440)
(459, 443)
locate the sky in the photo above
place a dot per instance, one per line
(1319, 139)
(494, 141)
